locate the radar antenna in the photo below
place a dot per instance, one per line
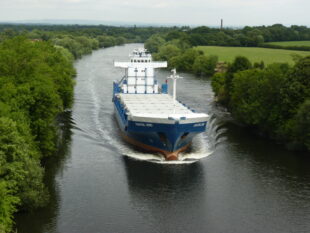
(174, 77)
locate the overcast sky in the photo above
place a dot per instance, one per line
(187, 12)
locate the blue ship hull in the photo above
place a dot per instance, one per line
(168, 139)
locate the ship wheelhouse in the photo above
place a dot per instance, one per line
(139, 77)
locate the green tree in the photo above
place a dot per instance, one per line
(240, 63)
(167, 51)
(106, 41)
(256, 98)
(120, 40)
(218, 86)
(8, 204)
(20, 166)
(153, 43)
(299, 127)
(185, 61)
(205, 65)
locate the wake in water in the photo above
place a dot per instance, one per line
(197, 151)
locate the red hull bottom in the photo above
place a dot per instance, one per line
(170, 156)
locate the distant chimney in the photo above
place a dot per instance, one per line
(221, 24)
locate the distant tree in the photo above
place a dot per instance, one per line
(106, 41)
(20, 168)
(153, 43)
(299, 127)
(240, 63)
(185, 61)
(175, 34)
(8, 204)
(259, 65)
(205, 65)
(218, 86)
(120, 40)
(168, 51)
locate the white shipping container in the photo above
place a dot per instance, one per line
(131, 89)
(125, 89)
(131, 81)
(140, 89)
(156, 88)
(150, 72)
(131, 72)
(149, 89)
(141, 72)
(140, 81)
(149, 81)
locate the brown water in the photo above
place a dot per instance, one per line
(230, 180)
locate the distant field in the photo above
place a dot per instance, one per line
(291, 43)
(227, 54)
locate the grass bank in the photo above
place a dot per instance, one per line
(228, 54)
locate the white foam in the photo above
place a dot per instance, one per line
(199, 150)
(103, 130)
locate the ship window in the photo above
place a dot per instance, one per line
(134, 60)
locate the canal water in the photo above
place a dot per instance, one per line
(229, 180)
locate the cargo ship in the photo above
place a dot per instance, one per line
(147, 115)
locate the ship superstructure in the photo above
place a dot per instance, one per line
(147, 115)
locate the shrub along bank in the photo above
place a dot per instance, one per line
(274, 100)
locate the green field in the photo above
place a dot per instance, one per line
(227, 54)
(291, 43)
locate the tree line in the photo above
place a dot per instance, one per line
(246, 36)
(36, 85)
(79, 39)
(240, 37)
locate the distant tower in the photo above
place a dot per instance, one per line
(221, 24)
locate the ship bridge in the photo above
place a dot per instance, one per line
(139, 76)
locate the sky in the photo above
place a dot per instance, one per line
(178, 12)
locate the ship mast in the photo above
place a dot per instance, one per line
(174, 77)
